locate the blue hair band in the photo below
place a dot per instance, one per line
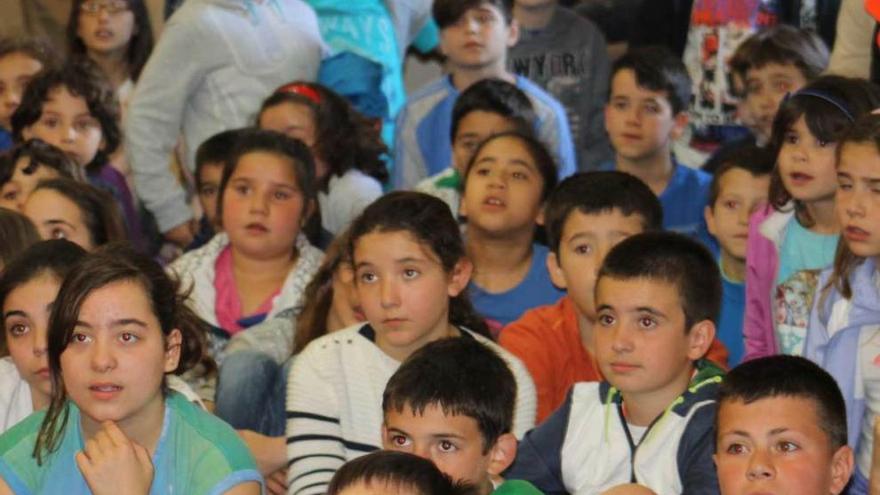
(827, 98)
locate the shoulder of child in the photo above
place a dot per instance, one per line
(517, 487)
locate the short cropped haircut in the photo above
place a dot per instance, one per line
(783, 45)
(448, 12)
(399, 469)
(753, 159)
(789, 376)
(38, 49)
(592, 193)
(81, 78)
(461, 376)
(675, 259)
(498, 97)
(539, 153)
(658, 69)
(215, 151)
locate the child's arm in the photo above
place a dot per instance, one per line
(315, 448)
(4, 488)
(696, 468)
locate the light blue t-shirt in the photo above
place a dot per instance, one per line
(802, 256)
(197, 453)
(536, 289)
(730, 321)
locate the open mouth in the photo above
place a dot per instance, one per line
(853, 233)
(105, 391)
(256, 228)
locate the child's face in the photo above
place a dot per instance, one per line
(641, 342)
(263, 206)
(764, 89)
(297, 121)
(16, 71)
(25, 324)
(452, 442)
(57, 217)
(857, 201)
(586, 239)
(502, 191)
(640, 121)
(404, 290)
(479, 38)
(14, 193)
(806, 164)
(117, 357)
(775, 445)
(67, 124)
(209, 189)
(740, 194)
(473, 129)
(106, 33)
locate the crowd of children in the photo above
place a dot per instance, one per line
(235, 256)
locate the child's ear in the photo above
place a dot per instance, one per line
(173, 343)
(512, 33)
(842, 463)
(539, 220)
(502, 454)
(700, 338)
(680, 122)
(460, 276)
(26, 134)
(710, 220)
(557, 276)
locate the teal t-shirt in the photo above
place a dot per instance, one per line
(197, 453)
(802, 256)
(517, 487)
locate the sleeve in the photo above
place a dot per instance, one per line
(315, 448)
(526, 398)
(696, 468)
(597, 146)
(851, 55)
(539, 453)
(355, 192)
(155, 116)
(407, 156)
(518, 339)
(757, 325)
(556, 131)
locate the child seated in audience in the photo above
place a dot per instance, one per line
(260, 264)
(210, 160)
(76, 211)
(28, 163)
(347, 148)
(739, 187)
(843, 331)
(119, 325)
(452, 402)
(781, 429)
(411, 273)
(506, 186)
(18, 234)
(795, 236)
(647, 110)
(20, 60)
(652, 421)
(394, 473)
(766, 67)
(74, 109)
(486, 108)
(474, 37)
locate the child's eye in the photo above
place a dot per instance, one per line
(782, 86)
(367, 277)
(583, 249)
(619, 104)
(790, 137)
(843, 186)
(128, 338)
(282, 195)
(208, 191)
(485, 17)
(731, 204)
(50, 122)
(399, 440)
(822, 144)
(58, 233)
(447, 446)
(80, 338)
(482, 171)
(241, 189)
(17, 329)
(647, 322)
(10, 195)
(785, 446)
(605, 320)
(520, 175)
(82, 125)
(410, 273)
(735, 449)
(652, 108)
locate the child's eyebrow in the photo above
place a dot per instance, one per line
(649, 310)
(14, 312)
(440, 436)
(121, 322)
(58, 221)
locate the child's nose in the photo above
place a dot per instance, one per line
(760, 467)
(102, 357)
(390, 295)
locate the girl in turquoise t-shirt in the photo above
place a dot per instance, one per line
(117, 327)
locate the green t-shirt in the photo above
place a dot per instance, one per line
(517, 487)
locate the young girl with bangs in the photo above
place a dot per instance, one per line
(347, 147)
(411, 272)
(259, 266)
(117, 327)
(844, 330)
(795, 236)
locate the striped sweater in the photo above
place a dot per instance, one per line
(334, 404)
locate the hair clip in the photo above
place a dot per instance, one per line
(302, 90)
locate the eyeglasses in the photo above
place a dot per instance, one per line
(93, 7)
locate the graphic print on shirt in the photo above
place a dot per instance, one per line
(792, 301)
(717, 28)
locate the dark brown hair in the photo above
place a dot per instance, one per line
(112, 264)
(140, 45)
(18, 234)
(398, 469)
(38, 49)
(100, 211)
(783, 45)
